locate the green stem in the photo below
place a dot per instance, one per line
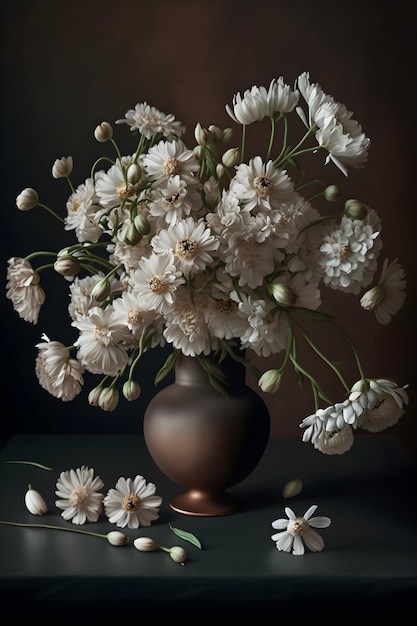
(50, 526)
(51, 212)
(31, 463)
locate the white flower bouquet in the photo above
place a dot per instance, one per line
(216, 252)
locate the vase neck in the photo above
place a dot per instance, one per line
(189, 371)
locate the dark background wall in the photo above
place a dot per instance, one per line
(68, 66)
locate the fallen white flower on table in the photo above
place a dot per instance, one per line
(296, 530)
(79, 492)
(146, 544)
(132, 503)
(35, 503)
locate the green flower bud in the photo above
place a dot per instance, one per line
(270, 381)
(132, 236)
(332, 193)
(227, 135)
(94, 396)
(142, 224)
(283, 294)
(355, 209)
(101, 290)
(178, 554)
(231, 157)
(108, 399)
(292, 488)
(67, 265)
(131, 390)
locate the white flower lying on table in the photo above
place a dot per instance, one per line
(132, 503)
(35, 502)
(79, 492)
(295, 530)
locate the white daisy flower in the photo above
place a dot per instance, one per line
(191, 243)
(80, 500)
(132, 503)
(112, 188)
(260, 185)
(170, 158)
(297, 531)
(83, 212)
(175, 201)
(23, 289)
(336, 131)
(137, 318)
(328, 441)
(59, 374)
(101, 342)
(388, 296)
(257, 103)
(149, 121)
(156, 281)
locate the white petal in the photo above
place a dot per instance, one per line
(320, 522)
(313, 540)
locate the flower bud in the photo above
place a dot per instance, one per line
(117, 538)
(103, 132)
(62, 167)
(283, 294)
(93, 396)
(216, 132)
(67, 265)
(134, 173)
(355, 209)
(292, 488)
(231, 157)
(373, 298)
(178, 554)
(131, 390)
(108, 399)
(27, 199)
(145, 544)
(332, 193)
(198, 152)
(132, 236)
(270, 381)
(101, 289)
(35, 503)
(220, 170)
(202, 135)
(142, 224)
(227, 135)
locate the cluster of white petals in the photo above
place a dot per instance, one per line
(211, 249)
(297, 531)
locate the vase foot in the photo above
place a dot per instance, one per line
(204, 503)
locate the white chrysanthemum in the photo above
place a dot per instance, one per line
(297, 531)
(136, 318)
(78, 490)
(266, 333)
(191, 243)
(388, 296)
(101, 342)
(348, 255)
(59, 374)
(223, 318)
(260, 185)
(257, 103)
(186, 328)
(149, 121)
(132, 503)
(82, 299)
(156, 280)
(336, 131)
(24, 290)
(382, 402)
(328, 441)
(83, 212)
(170, 158)
(175, 201)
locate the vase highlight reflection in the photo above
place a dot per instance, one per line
(203, 440)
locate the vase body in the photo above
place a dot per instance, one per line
(203, 440)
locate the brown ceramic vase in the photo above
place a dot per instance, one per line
(203, 440)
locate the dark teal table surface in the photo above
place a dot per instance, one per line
(368, 566)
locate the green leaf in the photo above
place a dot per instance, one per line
(186, 536)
